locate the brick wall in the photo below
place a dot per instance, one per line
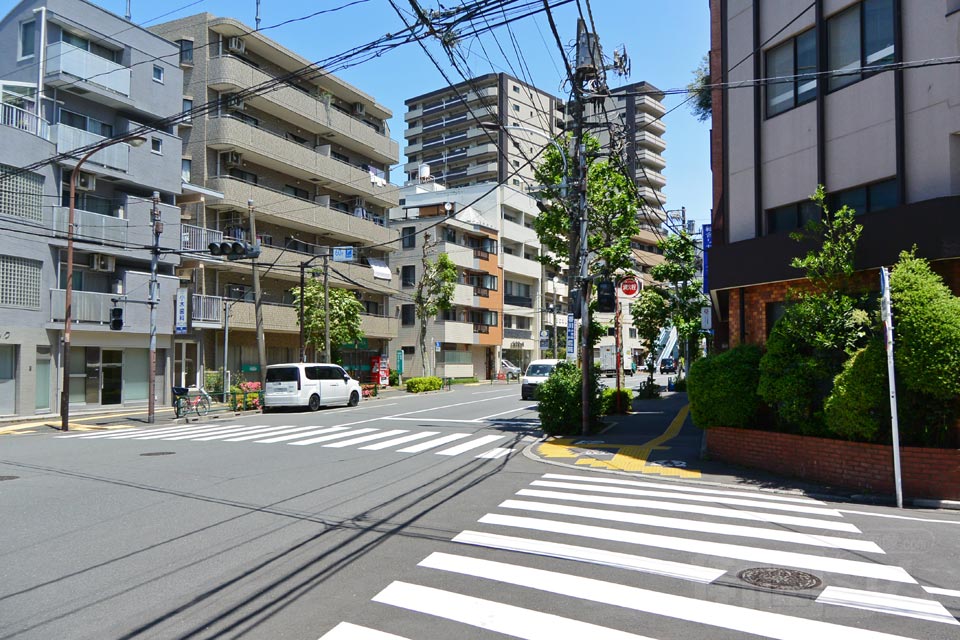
(868, 468)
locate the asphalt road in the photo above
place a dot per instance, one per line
(420, 517)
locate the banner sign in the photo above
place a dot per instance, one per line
(707, 231)
(571, 337)
(182, 316)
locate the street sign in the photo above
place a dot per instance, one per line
(544, 333)
(629, 286)
(400, 361)
(437, 347)
(707, 232)
(706, 318)
(343, 254)
(544, 344)
(571, 337)
(182, 317)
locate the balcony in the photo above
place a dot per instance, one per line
(654, 178)
(116, 156)
(68, 59)
(518, 334)
(518, 301)
(277, 318)
(193, 238)
(379, 326)
(483, 167)
(651, 141)
(86, 306)
(522, 266)
(650, 158)
(454, 332)
(13, 116)
(519, 233)
(649, 105)
(207, 311)
(295, 105)
(650, 123)
(90, 227)
(271, 150)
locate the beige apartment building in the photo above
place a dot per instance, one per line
(310, 158)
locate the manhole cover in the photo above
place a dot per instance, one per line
(159, 453)
(2, 478)
(779, 578)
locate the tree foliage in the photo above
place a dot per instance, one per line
(677, 282)
(434, 292)
(701, 103)
(559, 400)
(651, 312)
(345, 319)
(723, 388)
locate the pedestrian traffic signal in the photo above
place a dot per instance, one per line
(116, 318)
(575, 306)
(235, 249)
(606, 296)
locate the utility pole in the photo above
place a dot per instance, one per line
(225, 380)
(154, 301)
(326, 307)
(257, 302)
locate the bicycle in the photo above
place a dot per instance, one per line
(184, 404)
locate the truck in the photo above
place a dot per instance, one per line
(608, 360)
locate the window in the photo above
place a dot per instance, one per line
(28, 38)
(633, 332)
(295, 138)
(409, 351)
(158, 73)
(408, 315)
(409, 237)
(84, 44)
(245, 176)
(450, 235)
(339, 156)
(860, 37)
(188, 109)
(20, 282)
(866, 199)
(186, 51)
(516, 108)
(791, 59)
(185, 166)
(408, 275)
(82, 122)
(156, 145)
(791, 217)
(296, 192)
(516, 89)
(22, 194)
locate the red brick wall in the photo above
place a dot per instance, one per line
(926, 473)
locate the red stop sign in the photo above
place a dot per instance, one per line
(630, 286)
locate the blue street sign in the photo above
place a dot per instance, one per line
(707, 231)
(343, 254)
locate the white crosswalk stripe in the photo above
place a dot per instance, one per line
(362, 439)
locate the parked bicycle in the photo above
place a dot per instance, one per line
(184, 403)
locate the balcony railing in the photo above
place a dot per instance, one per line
(483, 292)
(90, 227)
(518, 334)
(455, 357)
(86, 306)
(207, 309)
(481, 254)
(63, 57)
(518, 301)
(195, 238)
(481, 328)
(116, 156)
(13, 116)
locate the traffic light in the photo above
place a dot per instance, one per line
(116, 318)
(575, 307)
(606, 296)
(235, 249)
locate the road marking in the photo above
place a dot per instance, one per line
(101, 435)
(259, 429)
(333, 436)
(211, 433)
(498, 452)
(347, 631)
(430, 444)
(467, 446)
(477, 393)
(433, 420)
(494, 415)
(723, 512)
(679, 570)
(942, 592)
(681, 488)
(507, 619)
(272, 431)
(719, 549)
(361, 439)
(153, 434)
(401, 440)
(887, 603)
(889, 515)
(700, 526)
(753, 621)
(700, 498)
(300, 435)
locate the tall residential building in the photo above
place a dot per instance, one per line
(883, 141)
(444, 134)
(76, 75)
(311, 157)
(502, 300)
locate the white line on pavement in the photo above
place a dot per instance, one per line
(494, 415)
(467, 446)
(347, 631)
(495, 453)
(430, 444)
(942, 592)
(890, 515)
(333, 436)
(300, 435)
(368, 438)
(887, 603)
(402, 440)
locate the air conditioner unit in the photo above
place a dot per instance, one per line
(232, 101)
(86, 182)
(231, 158)
(322, 199)
(236, 45)
(359, 108)
(100, 262)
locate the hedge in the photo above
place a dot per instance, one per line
(859, 404)
(559, 400)
(608, 401)
(419, 385)
(722, 388)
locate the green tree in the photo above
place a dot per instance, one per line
(434, 292)
(701, 101)
(651, 312)
(345, 312)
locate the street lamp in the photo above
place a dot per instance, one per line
(134, 141)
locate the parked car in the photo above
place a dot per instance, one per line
(668, 365)
(537, 372)
(309, 384)
(511, 370)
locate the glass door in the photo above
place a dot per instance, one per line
(111, 375)
(42, 395)
(8, 379)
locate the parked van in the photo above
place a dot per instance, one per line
(308, 384)
(537, 372)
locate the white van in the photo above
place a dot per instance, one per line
(308, 384)
(537, 372)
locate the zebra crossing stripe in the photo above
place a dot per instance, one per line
(698, 498)
(719, 549)
(507, 619)
(743, 619)
(294, 436)
(467, 446)
(723, 512)
(430, 444)
(347, 631)
(942, 592)
(398, 441)
(498, 452)
(215, 434)
(100, 435)
(271, 431)
(680, 570)
(663, 485)
(258, 429)
(362, 439)
(700, 526)
(188, 432)
(887, 603)
(333, 436)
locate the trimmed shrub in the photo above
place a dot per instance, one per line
(559, 402)
(394, 378)
(859, 406)
(723, 388)
(608, 401)
(428, 383)
(648, 390)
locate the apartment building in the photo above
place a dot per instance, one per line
(502, 300)
(444, 133)
(882, 140)
(76, 75)
(311, 159)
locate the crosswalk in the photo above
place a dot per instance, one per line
(668, 559)
(366, 438)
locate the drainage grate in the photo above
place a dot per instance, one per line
(779, 578)
(2, 478)
(159, 453)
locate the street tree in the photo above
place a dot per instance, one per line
(345, 319)
(701, 94)
(434, 292)
(651, 312)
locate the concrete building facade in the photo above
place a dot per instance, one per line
(79, 75)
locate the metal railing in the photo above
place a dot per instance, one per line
(207, 308)
(91, 227)
(13, 116)
(86, 306)
(116, 156)
(66, 58)
(194, 238)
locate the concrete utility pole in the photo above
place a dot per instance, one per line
(154, 301)
(257, 302)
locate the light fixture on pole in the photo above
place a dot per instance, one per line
(134, 141)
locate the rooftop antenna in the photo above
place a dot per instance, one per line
(128, 11)
(258, 15)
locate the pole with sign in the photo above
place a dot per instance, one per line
(886, 313)
(571, 338)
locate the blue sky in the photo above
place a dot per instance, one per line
(665, 40)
